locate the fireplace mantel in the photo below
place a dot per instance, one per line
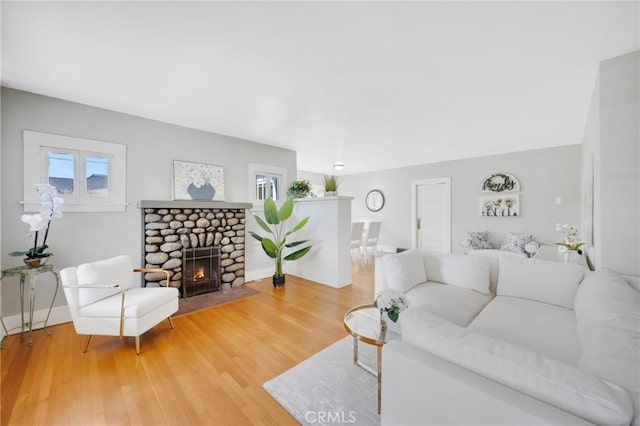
(189, 204)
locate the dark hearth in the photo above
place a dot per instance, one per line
(200, 270)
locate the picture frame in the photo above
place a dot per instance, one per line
(197, 181)
(506, 205)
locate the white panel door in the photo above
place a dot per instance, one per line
(432, 213)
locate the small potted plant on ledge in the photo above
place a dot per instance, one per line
(330, 186)
(299, 189)
(274, 223)
(50, 208)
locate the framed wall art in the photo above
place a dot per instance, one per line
(504, 205)
(197, 181)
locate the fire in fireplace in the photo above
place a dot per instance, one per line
(200, 270)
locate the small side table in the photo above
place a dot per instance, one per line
(363, 323)
(25, 272)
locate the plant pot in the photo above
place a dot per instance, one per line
(331, 193)
(278, 281)
(32, 263)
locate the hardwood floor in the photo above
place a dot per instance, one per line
(208, 370)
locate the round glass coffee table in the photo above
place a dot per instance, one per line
(364, 324)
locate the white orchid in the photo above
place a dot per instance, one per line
(571, 239)
(35, 222)
(50, 208)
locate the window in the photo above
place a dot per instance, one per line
(89, 174)
(266, 182)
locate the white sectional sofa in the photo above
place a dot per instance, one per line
(509, 341)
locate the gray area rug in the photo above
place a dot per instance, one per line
(329, 389)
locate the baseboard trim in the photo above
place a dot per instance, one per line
(59, 315)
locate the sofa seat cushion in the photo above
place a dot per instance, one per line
(456, 304)
(137, 303)
(557, 383)
(547, 329)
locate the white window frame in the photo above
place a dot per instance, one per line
(37, 146)
(260, 169)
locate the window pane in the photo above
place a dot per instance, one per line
(275, 187)
(97, 176)
(61, 172)
(261, 187)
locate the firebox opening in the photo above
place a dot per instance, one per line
(201, 270)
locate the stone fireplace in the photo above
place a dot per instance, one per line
(181, 235)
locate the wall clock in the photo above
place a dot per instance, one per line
(374, 200)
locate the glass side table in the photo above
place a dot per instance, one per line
(31, 274)
(364, 324)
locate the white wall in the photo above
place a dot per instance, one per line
(612, 150)
(544, 174)
(151, 148)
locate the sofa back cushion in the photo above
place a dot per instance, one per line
(544, 281)
(403, 271)
(116, 270)
(608, 314)
(557, 383)
(606, 300)
(459, 270)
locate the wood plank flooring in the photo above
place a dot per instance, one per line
(209, 370)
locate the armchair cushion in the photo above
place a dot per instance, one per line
(137, 303)
(116, 270)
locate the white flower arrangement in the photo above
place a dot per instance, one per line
(571, 239)
(50, 208)
(392, 302)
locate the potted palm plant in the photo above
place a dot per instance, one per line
(276, 246)
(330, 186)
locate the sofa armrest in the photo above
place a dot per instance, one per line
(420, 388)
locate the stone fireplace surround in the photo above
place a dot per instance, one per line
(170, 226)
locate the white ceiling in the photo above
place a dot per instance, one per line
(375, 85)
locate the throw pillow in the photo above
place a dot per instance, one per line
(403, 271)
(544, 281)
(479, 240)
(516, 242)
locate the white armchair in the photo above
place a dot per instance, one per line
(104, 300)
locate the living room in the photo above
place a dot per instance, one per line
(570, 152)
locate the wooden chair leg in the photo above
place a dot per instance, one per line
(86, 344)
(171, 322)
(137, 345)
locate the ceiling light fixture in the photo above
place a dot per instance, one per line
(338, 166)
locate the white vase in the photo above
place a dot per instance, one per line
(571, 256)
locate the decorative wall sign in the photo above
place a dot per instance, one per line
(506, 205)
(500, 182)
(196, 181)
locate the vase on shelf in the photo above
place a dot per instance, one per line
(571, 256)
(206, 192)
